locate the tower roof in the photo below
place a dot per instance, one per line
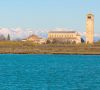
(90, 14)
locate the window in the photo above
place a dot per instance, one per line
(89, 17)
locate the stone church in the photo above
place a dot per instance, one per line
(65, 36)
(73, 36)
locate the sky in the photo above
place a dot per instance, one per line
(48, 14)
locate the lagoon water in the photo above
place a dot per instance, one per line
(49, 72)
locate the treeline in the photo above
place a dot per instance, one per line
(3, 38)
(61, 41)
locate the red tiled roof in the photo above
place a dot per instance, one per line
(34, 36)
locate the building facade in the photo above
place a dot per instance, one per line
(35, 39)
(90, 28)
(65, 36)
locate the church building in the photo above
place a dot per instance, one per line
(65, 36)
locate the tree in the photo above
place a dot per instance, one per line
(8, 37)
(82, 40)
(54, 41)
(68, 42)
(48, 42)
(73, 42)
(2, 38)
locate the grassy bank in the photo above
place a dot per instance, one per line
(31, 48)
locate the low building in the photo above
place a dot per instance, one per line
(35, 39)
(42, 41)
(23, 40)
(65, 36)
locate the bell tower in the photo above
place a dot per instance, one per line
(90, 28)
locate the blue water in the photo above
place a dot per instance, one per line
(49, 72)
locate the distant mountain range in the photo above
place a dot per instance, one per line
(18, 33)
(96, 38)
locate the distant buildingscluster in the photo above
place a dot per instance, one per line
(73, 36)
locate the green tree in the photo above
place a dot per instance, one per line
(8, 37)
(82, 40)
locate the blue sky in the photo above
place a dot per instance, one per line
(47, 14)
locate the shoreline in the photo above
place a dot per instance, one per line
(54, 53)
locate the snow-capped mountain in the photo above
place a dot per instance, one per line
(19, 33)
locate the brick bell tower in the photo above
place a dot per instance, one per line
(90, 28)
